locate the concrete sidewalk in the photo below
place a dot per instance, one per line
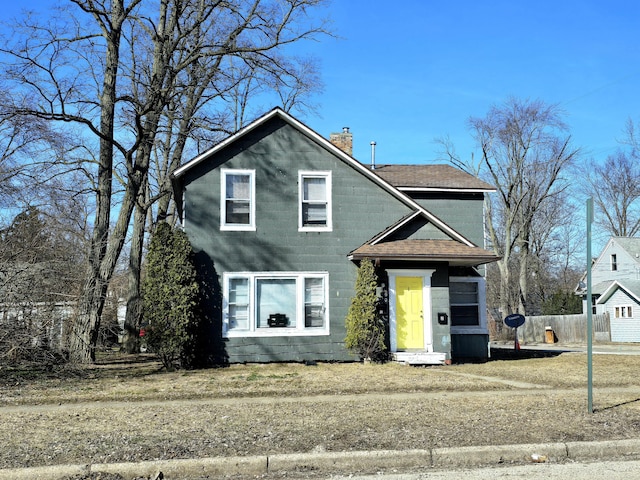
(344, 462)
(598, 348)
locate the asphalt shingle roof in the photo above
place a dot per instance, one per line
(435, 177)
(630, 244)
(428, 250)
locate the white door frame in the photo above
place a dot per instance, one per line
(426, 304)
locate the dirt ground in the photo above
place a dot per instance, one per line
(123, 411)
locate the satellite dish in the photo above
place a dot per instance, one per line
(514, 320)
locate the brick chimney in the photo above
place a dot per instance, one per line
(343, 140)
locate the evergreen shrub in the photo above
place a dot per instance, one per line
(365, 326)
(170, 298)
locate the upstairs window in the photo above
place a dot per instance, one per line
(315, 201)
(614, 262)
(237, 208)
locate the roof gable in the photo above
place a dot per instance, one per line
(631, 287)
(412, 238)
(278, 113)
(631, 245)
(627, 252)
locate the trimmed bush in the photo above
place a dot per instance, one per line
(365, 326)
(170, 296)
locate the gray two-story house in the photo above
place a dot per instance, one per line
(280, 218)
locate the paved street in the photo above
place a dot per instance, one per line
(613, 470)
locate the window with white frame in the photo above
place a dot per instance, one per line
(315, 201)
(237, 208)
(624, 311)
(614, 262)
(275, 304)
(466, 301)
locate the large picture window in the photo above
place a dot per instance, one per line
(237, 206)
(275, 304)
(315, 201)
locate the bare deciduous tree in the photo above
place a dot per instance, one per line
(39, 262)
(108, 72)
(525, 153)
(198, 115)
(615, 187)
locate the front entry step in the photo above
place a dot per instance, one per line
(421, 358)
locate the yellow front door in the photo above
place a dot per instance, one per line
(409, 315)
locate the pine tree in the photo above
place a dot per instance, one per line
(365, 327)
(170, 296)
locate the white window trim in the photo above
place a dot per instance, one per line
(315, 174)
(426, 275)
(223, 200)
(298, 330)
(622, 311)
(481, 328)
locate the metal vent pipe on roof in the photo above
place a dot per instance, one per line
(373, 155)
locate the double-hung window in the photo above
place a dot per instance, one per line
(275, 304)
(624, 311)
(237, 206)
(315, 201)
(467, 303)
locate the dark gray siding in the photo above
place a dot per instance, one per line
(470, 347)
(419, 229)
(361, 209)
(461, 211)
(440, 304)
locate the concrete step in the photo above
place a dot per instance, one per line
(420, 358)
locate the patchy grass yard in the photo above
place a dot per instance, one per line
(118, 411)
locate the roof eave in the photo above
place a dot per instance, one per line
(445, 189)
(616, 284)
(468, 261)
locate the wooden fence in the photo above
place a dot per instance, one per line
(565, 328)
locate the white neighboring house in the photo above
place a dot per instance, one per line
(42, 322)
(615, 278)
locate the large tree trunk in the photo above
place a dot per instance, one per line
(505, 307)
(134, 300)
(523, 281)
(84, 332)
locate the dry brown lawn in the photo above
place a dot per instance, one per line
(119, 411)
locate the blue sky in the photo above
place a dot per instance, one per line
(406, 73)
(404, 76)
